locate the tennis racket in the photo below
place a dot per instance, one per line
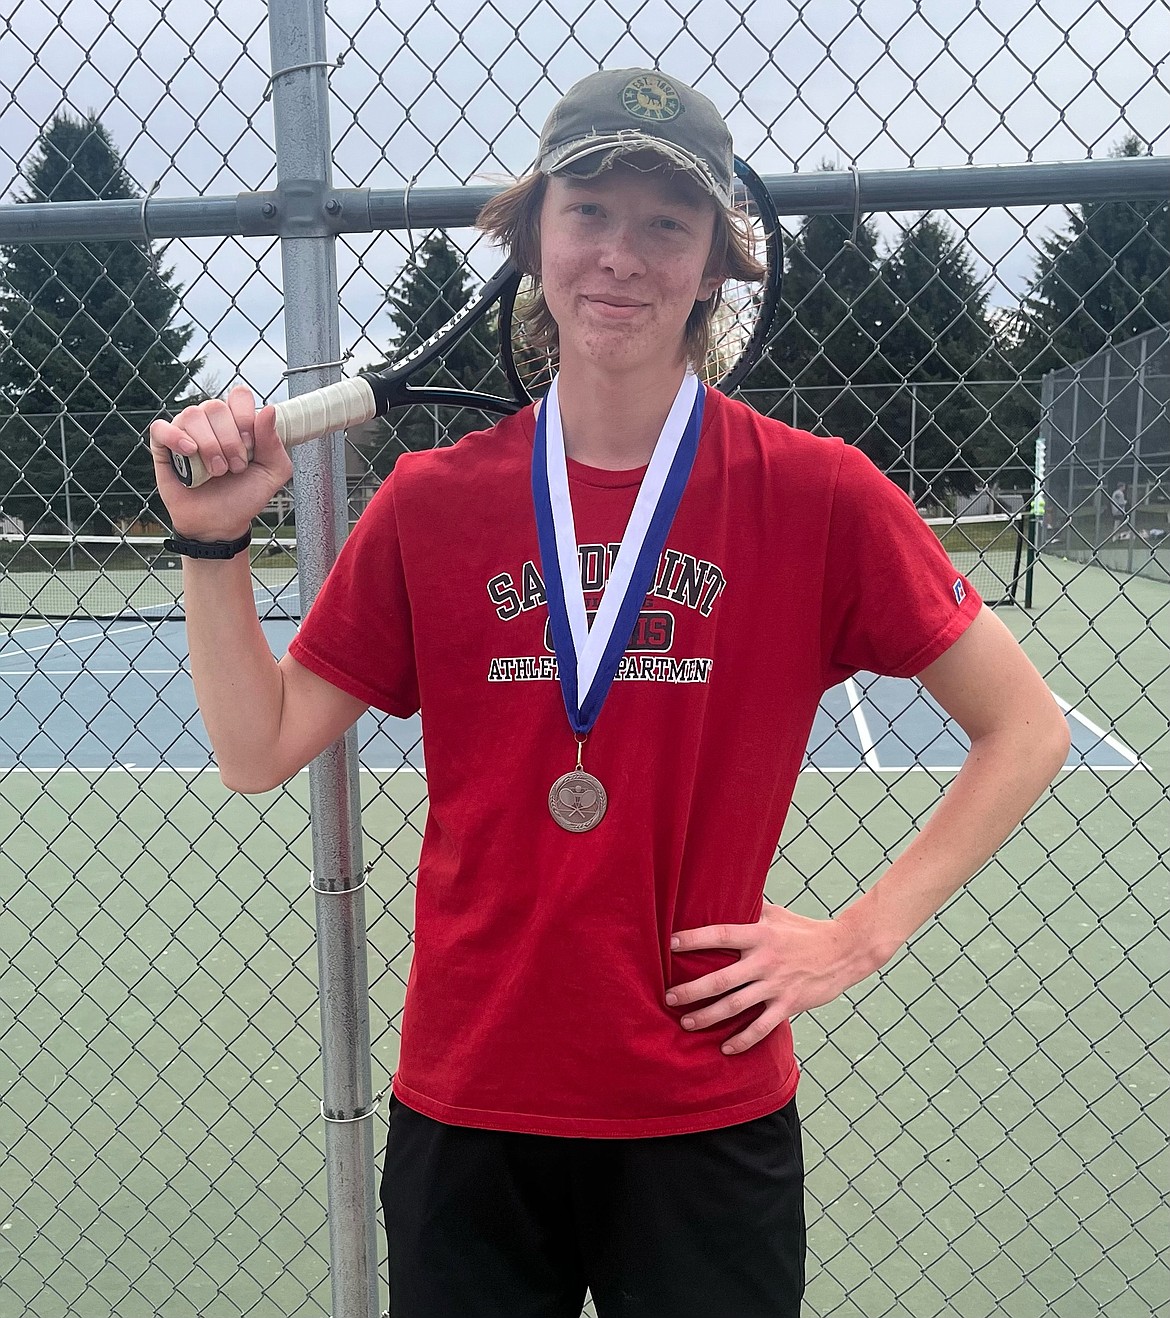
(739, 331)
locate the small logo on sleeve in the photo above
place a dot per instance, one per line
(959, 591)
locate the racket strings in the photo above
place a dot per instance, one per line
(536, 364)
(733, 322)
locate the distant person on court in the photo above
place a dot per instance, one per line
(1119, 506)
(597, 1081)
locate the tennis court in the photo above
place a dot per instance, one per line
(106, 691)
(95, 698)
(990, 1099)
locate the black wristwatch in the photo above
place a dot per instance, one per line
(179, 544)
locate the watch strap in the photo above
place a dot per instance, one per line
(179, 544)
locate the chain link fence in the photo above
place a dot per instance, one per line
(986, 1121)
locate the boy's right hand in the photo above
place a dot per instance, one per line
(239, 447)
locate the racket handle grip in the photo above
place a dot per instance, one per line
(336, 407)
(308, 416)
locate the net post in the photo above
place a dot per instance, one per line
(297, 36)
(65, 475)
(1028, 544)
(1035, 526)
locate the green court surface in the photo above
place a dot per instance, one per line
(985, 1121)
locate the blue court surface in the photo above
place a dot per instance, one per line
(91, 696)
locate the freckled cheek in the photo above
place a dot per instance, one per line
(687, 280)
(560, 278)
(555, 292)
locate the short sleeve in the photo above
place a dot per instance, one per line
(894, 602)
(358, 634)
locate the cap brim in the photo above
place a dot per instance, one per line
(598, 153)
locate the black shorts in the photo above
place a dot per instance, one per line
(491, 1224)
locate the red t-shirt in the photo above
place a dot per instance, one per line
(542, 958)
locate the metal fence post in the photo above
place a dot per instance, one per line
(1073, 457)
(300, 91)
(1137, 452)
(65, 474)
(1099, 489)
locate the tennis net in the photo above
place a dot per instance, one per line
(994, 553)
(60, 577)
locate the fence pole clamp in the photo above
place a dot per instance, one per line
(856, 207)
(300, 68)
(360, 1115)
(303, 208)
(341, 892)
(316, 366)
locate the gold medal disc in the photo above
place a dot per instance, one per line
(577, 801)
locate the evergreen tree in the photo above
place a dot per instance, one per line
(826, 341)
(941, 341)
(856, 330)
(431, 292)
(830, 348)
(85, 328)
(1103, 281)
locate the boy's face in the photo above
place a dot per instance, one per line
(623, 260)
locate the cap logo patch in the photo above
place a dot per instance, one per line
(649, 96)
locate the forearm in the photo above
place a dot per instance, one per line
(791, 963)
(238, 685)
(1003, 776)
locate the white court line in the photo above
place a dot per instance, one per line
(1107, 737)
(21, 650)
(96, 672)
(143, 770)
(871, 762)
(869, 753)
(954, 768)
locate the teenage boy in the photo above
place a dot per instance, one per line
(617, 612)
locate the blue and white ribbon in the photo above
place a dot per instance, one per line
(588, 656)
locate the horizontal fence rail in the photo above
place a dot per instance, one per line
(319, 212)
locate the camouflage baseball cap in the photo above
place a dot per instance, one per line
(620, 111)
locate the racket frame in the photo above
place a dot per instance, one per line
(391, 388)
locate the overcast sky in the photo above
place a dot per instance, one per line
(455, 92)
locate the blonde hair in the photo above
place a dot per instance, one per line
(512, 220)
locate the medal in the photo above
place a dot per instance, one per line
(588, 657)
(577, 800)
